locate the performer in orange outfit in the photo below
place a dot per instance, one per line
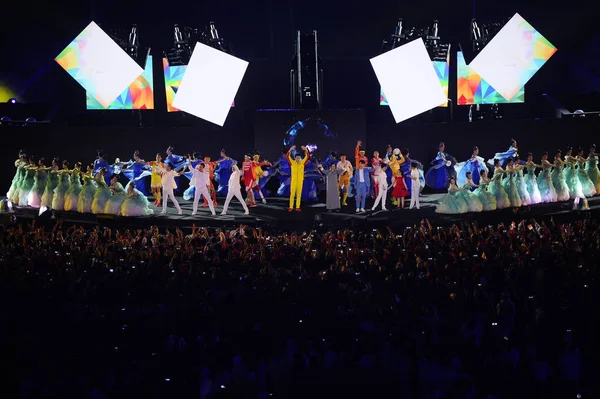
(211, 188)
(359, 154)
(297, 175)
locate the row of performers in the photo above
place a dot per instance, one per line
(561, 178)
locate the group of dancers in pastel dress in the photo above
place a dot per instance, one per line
(568, 177)
(59, 187)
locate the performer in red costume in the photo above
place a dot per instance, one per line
(257, 165)
(249, 179)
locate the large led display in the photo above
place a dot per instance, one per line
(472, 89)
(209, 84)
(443, 71)
(139, 94)
(409, 80)
(99, 65)
(173, 76)
(512, 57)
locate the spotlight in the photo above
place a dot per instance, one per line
(12, 101)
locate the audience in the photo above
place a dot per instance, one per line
(429, 312)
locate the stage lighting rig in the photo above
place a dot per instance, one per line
(437, 51)
(129, 41)
(185, 40)
(396, 39)
(480, 35)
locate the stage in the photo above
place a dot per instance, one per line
(275, 215)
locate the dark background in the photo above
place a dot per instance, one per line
(262, 32)
(349, 126)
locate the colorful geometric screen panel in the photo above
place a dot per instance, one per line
(173, 76)
(472, 89)
(512, 57)
(443, 71)
(139, 94)
(99, 65)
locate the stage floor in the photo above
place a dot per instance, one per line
(275, 214)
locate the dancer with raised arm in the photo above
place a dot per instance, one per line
(504, 156)
(589, 190)
(558, 178)
(201, 182)
(487, 199)
(544, 181)
(234, 189)
(442, 169)
(297, 164)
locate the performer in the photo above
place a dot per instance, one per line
(201, 182)
(331, 159)
(591, 168)
(504, 156)
(169, 184)
(234, 190)
(64, 183)
(473, 165)
(189, 193)
(40, 179)
(19, 164)
(399, 183)
(113, 204)
(452, 203)
(361, 184)
(376, 163)
(100, 163)
(381, 178)
(223, 172)
(156, 178)
(497, 189)
(74, 189)
(487, 199)
(25, 188)
(558, 178)
(249, 177)
(531, 181)
(415, 185)
(520, 182)
(405, 167)
(438, 176)
(137, 170)
(359, 154)
(589, 190)
(346, 170)
(135, 202)
(473, 202)
(258, 172)
(332, 174)
(571, 178)
(86, 195)
(210, 168)
(51, 184)
(544, 181)
(510, 184)
(283, 174)
(102, 193)
(297, 175)
(177, 163)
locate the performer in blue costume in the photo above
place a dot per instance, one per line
(438, 176)
(283, 174)
(405, 168)
(223, 172)
(100, 163)
(475, 165)
(311, 178)
(137, 170)
(504, 156)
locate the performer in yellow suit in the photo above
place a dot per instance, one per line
(297, 175)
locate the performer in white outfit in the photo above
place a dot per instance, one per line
(201, 182)
(234, 190)
(168, 185)
(381, 181)
(415, 186)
